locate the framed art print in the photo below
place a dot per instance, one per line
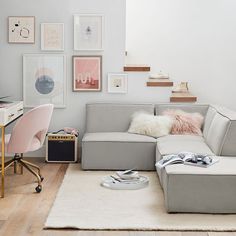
(88, 32)
(21, 29)
(52, 36)
(117, 83)
(44, 80)
(87, 73)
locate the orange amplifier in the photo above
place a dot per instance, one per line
(61, 148)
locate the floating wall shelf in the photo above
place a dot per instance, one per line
(137, 68)
(159, 83)
(183, 97)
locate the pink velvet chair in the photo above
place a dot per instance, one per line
(28, 135)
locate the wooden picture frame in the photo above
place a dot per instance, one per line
(87, 73)
(21, 29)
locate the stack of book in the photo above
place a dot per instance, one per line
(127, 176)
(127, 179)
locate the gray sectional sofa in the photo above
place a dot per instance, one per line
(107, 145)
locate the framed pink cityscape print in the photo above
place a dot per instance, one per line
(87, 73)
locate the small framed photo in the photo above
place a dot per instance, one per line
(44, 79)
(88, 32)
(87, 73)
(52, 36)
(117, 83)
(21, 29)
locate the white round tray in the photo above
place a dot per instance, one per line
(109, 182)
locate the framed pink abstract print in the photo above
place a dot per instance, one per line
(87, 73)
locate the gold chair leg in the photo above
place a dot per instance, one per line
(32, 171)
(21, 167)
(7, 164)
(32, 165)
(15, 167)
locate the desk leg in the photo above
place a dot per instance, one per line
(3, 160)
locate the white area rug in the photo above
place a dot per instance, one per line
(82, 203)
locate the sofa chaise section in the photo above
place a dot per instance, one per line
(202, 190)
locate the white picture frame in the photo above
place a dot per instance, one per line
(21, 29)
(44, 79)
(52, 37)
(117, 83)
(88, 32)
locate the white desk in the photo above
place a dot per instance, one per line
(9, 112)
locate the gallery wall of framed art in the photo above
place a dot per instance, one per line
(46, 74)
(53, 11)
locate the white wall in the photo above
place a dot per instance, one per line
(62, 11)
(192, 40)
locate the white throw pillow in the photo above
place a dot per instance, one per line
(147, 124)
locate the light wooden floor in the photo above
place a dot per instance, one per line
(23, 212)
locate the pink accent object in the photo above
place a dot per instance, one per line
(30, 130)
(185, 123)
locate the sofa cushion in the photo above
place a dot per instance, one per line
(185, 122)
(173, 144)
(112, 117)
(200, 108)
(118, 151)
(217, 132)
(205, 190)
(220, 131)
(117, 137)
(147, 124)
(208, 119)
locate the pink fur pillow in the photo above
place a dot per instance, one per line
(184, 122)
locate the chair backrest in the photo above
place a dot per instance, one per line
(33, 124)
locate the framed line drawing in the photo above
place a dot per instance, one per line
(117, 83)
(21, 29)
(52, 36)
(87, 73)
(44, 79)
(88, 32)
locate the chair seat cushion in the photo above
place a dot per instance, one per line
(205, 190)
(118, 150)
